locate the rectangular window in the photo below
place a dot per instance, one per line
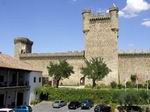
(34, 79)
(39, 79)
(1, 78)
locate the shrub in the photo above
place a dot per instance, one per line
(34, 102)
(113, 84)
(120, 86)
(108, 96)
(133, 78)
(130, 84)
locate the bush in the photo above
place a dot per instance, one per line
(130, 84)
(113, 84)
(120, 86)
(34, 102)
(108, 96)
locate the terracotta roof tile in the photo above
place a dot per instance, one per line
(7, 61)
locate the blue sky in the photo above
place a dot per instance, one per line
(56, 25)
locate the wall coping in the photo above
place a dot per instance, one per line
(59, 54)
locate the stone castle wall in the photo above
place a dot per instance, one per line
(134, 63)
(41, 62)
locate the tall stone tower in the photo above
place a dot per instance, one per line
(101, 38)
(22, 46)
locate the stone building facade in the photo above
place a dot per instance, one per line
(101, 40)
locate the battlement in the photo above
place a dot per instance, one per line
(59, 54)
(100, 16)
(111, 15)
(134, 52)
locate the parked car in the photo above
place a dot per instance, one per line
(23, 108)
(74, 105)
(86, 104)
(58, 104)
(129, 108)
(6, 110)
(102, 108)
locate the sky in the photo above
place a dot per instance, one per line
(56, 25)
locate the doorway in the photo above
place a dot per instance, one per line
(19, 99)
(1, 100)
(82, 80)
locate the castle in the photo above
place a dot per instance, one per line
(101, 40)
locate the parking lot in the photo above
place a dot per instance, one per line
(47, 107)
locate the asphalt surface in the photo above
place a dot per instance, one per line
(47, 107)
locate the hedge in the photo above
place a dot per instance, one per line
(109, 96)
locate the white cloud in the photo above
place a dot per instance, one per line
(146, 22)
(134, 7)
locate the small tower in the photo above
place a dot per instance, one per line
(86, 14)
(22, 46)
(113, 11)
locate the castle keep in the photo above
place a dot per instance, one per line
(101, 40)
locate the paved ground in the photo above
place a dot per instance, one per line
(47, 107)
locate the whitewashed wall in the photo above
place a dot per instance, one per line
(33, 85)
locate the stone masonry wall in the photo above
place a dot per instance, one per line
(101, 41)
(138, 64)
(42, 62)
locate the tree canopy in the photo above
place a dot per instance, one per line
(59, 71)
(95, 69)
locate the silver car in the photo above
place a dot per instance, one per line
(58, 103)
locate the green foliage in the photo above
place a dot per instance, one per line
(133, 78)
(130, 84)
(148, 82)
(60, 71)
(120, 86)
(109, 96)
(34, 102)
(132, 97)
(95, 69)
(113, 84)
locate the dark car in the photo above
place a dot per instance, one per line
(102, 108)
(23, 108)
(86, 104)
(129, 108)
(74, 105)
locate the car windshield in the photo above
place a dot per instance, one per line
(84, 101)
(73, 102)
(57, 101)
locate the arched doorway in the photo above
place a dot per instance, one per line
(82, 80)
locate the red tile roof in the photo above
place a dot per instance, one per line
(7, 61)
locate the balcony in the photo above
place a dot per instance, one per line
(14, 85)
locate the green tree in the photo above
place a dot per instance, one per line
(59, 71)
(95, 69)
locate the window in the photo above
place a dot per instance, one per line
(34, 79)
(39, 79)
(1, 78)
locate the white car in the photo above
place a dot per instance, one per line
(6, 110)
(58, 104)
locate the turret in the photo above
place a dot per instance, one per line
(86, 14)
(22, 46)
(113, 11)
